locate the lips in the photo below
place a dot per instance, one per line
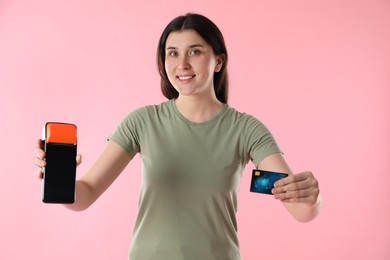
(185, 77)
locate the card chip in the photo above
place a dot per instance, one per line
(257, 173)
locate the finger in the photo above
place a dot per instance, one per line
(39, 174)
(79, 159)
(39, 149)
(309, 196)
(301, 185)
(39, 153)
(293, 178)
(294, 194)
(306, 200)
(39, 162)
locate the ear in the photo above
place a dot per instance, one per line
(220, 62)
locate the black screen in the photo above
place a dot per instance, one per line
(60, 173)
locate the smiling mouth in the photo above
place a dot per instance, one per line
(185, 77)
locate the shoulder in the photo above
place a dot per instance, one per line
(148, 111)
(246, 122)
(241, 117)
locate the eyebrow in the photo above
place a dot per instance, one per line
(191, 46)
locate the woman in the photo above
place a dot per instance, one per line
(194, 149)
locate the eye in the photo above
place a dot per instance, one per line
(195, 52)
(172, 53)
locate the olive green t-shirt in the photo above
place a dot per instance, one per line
(191, 174)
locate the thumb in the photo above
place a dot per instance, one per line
(79, 159)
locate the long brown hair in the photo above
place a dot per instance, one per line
(212, 35)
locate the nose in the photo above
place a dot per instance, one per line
(183, 62)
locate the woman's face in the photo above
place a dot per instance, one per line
(190, 63)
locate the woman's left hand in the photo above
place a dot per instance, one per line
(299, 188)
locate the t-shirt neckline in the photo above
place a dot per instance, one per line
(214, 119)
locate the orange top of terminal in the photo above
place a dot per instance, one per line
(61, 133)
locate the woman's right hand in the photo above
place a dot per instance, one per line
(39, 159)
(97, 179)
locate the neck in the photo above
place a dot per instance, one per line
(198, 109)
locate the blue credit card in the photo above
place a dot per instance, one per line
(263, 181)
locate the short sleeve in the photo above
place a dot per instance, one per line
(128, 133)
(260, 141)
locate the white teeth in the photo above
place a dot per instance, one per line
(185, 77)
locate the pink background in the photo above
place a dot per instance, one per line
(315, 72)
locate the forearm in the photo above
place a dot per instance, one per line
(101, 175)
(304, 212)
(84, 197)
